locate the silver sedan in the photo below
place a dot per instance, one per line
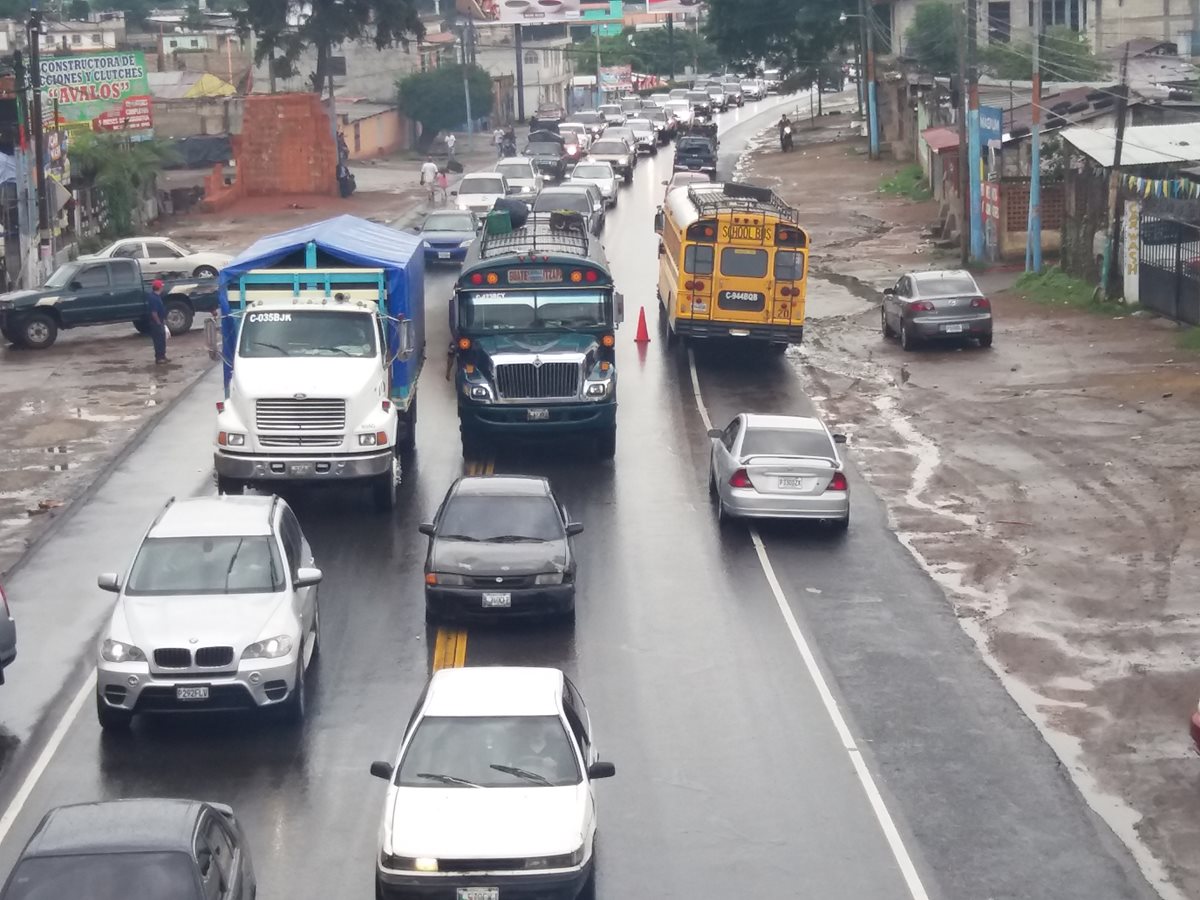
(8, 636)
(778, 467)
(936, 306)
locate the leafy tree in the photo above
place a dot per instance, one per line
(135, 11)
(435, 98)
(933, 36)
(193, 19)
(119, 170)
(794, 36)
(649, 52)
(1065, 56)
(325, 25)
(78, 10)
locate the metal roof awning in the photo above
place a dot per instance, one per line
(940, 139)
(1144, 145)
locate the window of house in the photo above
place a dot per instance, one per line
(97, 39)
(173, 44)
(195, 43)
(76, 39)
(531, 57)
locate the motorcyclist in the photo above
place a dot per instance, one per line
(785, 132)
(508, 142)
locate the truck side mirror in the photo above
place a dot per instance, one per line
(210, 337)
(405, 334)
(619, 301)
(659, 221)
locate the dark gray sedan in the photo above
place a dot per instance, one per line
(8, 636)
(935, 306)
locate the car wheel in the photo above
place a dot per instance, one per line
(628, 177)
(433, 615)
(906, 341)
(141, 326)
(229, 486)
(38, 331)
(606, 443)
(712, 480)
(295, 706)
(383, 489)
(110, 718)
(9, 335)
(986, 340)
(472, 445)
(843, 523)
(314, 636)
(204, 272)
(179, 317)
(654, 150)
(589, 886)
(884, 326)
(408, 443)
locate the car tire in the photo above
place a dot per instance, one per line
(10, 336)
(472, 444)
(986, 341)
(230, 486)
(314, 636)
(179, 317)
(628, 176)
(777, 348)
(907, 342)
(37, 331)
(589, 887)
(606, 443)
(112, 719)
(408, 444)
(433, 615)
(204, 272)
(654, 150)
(884, 326)
(383, 489)
(141, 326)
(712, 481)
(294, 708)
(842, 524)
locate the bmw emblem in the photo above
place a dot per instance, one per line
(299, 396)
(193, 640)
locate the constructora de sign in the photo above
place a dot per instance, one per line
(98, 92)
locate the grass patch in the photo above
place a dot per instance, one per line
(908, 182)
(1188, 339)
(1054, 287)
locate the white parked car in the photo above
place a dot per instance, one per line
(492, 792)
(600, 174)
(523, 179)
(161, 257)
(479, 191)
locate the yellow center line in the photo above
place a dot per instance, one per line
(449, 649)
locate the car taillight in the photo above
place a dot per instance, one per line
(921, 306)
(740, 479)
(837, 482)
(694, 285)
(981, 303)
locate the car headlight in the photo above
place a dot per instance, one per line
(271, 648)
(560, 861)
(597, 389)
(467, 243)
(549, 578)
(408, 863)
(119, 651)
(446, 579)
(231, 439)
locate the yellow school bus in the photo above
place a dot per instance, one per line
(733, 263)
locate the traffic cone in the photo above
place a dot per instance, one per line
(643, 334)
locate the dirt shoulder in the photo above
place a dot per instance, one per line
(1048, 484)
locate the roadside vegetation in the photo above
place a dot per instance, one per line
(1188, 339)
(908, 182)
(1054, 287)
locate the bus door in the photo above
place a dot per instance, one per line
(697, 280)
(789, 275)
(744, 267)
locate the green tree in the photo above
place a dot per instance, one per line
(119, 170)
(325, 25)
(933, 37)
(1065, 56)
(78, 10)
(795, 36)
(193, 19)
(649, 52)
(436, 100)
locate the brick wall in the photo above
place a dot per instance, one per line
(286, 146)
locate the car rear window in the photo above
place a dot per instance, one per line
(104, 876)
(695, 144)
(743, 263)
(786, 442)
(548, 201)
(610, 147)
(946, 286)
(547, 147)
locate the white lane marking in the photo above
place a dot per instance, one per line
(43, 760)
(908, 870)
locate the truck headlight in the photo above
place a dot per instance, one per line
(597, 389)
(374, 439)
(271, 648)
(119, 651)
(478, 392)
(231, 439)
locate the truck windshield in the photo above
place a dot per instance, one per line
(62, 275)
(308, 333)
(528, 311)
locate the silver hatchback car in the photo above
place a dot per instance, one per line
(937, 305)
(778, 467)
(218, 611)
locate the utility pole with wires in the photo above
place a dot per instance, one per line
(974, 153)
(1033, 236)
(1113, 233)
(866, 10)
(38, 126)
(964, 219)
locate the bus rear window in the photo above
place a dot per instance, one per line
(743, 263)
(789, 265)
(698, 260)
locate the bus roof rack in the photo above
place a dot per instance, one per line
(736, 197)
(543, 232)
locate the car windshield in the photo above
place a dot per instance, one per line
(616, 147)
(592, 171)
(531, 310)
(308, 333)
(639, 124)
(492, 517)
(786, 442)
(656, 115)
(946, 286)
(570, 135)
(575, 201)
(590, 118)
(481, 186)
(105, 876)
(515, 170)
(206, 565)
(697, 96)
(548, 147)
(489, 752)
(449, 221)
(62, 276)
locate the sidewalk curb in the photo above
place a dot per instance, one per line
(81, 498)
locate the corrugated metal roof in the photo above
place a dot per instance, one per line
(1145, 145)
(940, 139)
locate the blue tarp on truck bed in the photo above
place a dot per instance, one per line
(342, 242)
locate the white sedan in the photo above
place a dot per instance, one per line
(600, 174)
(492, 792)
(161, 257)
(479, 191)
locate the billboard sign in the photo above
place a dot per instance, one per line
(673, 6)
(991, 122)
(531, 12)
(616, 78)
(99, 92)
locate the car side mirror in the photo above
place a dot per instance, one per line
(109, 581)
(601, 770)
(307, 576)
(839, 439)
(381, 769)
(454, 193)
(210, 337)
(574, 528)
(426, 528)
(75, 286)
(666, 182)
(889, 292)
(204, 859)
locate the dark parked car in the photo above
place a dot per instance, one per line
(97, 292)
(150, 849)
(548, 154)
(936, 306)
(8, 636)
(500, 546)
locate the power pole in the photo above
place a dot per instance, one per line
(868, 13)
(964, 224)
(671, 39)
(860, 63)
(1033, 239)
(39, 168)
(520, 49)
(466, 53)
(1114, 232)
(974, 151)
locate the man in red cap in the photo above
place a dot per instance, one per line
(157, 314)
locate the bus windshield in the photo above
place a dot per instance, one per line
(500, 312)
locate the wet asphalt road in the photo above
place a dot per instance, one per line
(732, 780)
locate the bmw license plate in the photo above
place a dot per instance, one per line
(443, 254)
(478, 894)
(537, 414)
(497, 600)
(954, 329)
(192, 692)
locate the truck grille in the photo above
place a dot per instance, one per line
(525, 381)
(300, 415)
(300, 440)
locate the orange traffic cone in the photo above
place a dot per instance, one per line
(643, 335)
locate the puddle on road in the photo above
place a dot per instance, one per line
(827, 299)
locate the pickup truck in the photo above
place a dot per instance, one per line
(696, 153)
(97, 292)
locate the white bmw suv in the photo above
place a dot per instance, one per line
(492, 791)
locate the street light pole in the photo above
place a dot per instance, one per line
(35, 66)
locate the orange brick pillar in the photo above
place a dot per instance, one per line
(286, 146)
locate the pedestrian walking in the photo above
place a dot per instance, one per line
(156, 312)
(429, 173)
(498, 140)
(443, 184)
(451, 140)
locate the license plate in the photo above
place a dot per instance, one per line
(443, 254)
(497, 600)
(537, 414)
(954, 329)
(300, 469)
(478, 894)
(192, 692)
(793, 484)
